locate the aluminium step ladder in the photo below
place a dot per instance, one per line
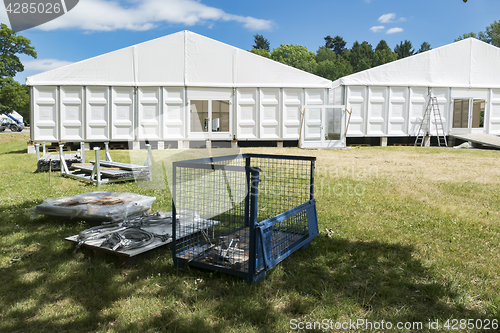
(424, 130)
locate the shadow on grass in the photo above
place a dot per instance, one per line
(331, 279)
(20, 151)
(44, 277)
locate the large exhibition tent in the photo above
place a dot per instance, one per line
(390, 100)
(178, 88)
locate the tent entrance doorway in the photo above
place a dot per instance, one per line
(322, 126)
(468, 116)
(209, 118)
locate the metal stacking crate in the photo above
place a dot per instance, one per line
(252, 211)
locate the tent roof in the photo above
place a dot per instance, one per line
(468, 63)
(180, 59)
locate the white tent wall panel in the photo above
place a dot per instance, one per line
(356, 101)
(292, 101)
(122, 113)
(315, 96)
(377, 111)
(71, 113)
(493, 125)
(270, 113)
(336, 96)
(444, 101)
(45, 113)
(418, 100)
(398, 111)
(97, 113)
(392, 111)
(312, 124)
(174, 113)
(150, 119)
(246, 113)
(463, 93)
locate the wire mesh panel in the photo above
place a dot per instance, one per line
(215, 195)
(281, 235)
(285, 183)
(242, 214)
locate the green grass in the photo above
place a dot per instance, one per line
(406, 235)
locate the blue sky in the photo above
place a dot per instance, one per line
(96, 27)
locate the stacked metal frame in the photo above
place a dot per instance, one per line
(255, 210)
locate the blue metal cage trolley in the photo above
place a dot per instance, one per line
(242, 214)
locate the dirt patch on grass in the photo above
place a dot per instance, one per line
(14, 137)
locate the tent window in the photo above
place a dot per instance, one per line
(478, 113)
(460, 113)
(220, 116)
(199, 116)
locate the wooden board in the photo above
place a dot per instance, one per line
(484, 139)
(124, 166)
(112, 172)
(52, 161)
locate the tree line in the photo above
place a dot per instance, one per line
(333, 60)
(13, 95)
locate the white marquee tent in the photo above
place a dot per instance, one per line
(180, 88)
(390, 100)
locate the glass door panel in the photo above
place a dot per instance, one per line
(460, 113)
(478, 113)
(333, 123)
(200, 120)
(220, 116)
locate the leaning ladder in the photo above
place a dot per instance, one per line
(425, 126)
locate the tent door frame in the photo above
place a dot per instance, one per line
(322, 141)
(206, 129)
(470, 129)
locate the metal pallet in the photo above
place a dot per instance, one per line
(102, 172)
(264, 205)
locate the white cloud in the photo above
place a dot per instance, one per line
(394, 30)
(140, 15)
(43, 65)
(377, 28)
(386, 18)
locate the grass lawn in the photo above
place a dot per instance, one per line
(407, 235)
